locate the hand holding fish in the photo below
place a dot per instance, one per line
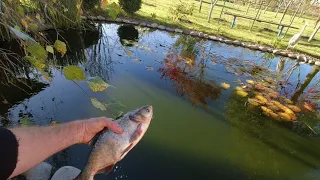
(90, 127)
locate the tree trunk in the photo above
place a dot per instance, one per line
(248, 7)
(213, 3)
(256, 15)
(284, 13)
(318, 20)
(309, 77)
(224, 4)
(279, 7)
(267, 7)
(314, 32)
(292, 19)
(200, 5)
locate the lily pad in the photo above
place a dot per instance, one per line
(225, 85)
(26, 122)
(74, 73)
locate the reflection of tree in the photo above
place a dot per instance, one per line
(128, 32)
(314, 71)
(193, 86)
(280, 65)
(188, 45)
(99, 57)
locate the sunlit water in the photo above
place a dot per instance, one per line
(199, 130)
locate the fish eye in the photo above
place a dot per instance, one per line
(147, 110)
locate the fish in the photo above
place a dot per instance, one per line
(110, 148)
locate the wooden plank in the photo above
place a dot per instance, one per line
(258, 20)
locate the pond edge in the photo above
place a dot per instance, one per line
(254, 46)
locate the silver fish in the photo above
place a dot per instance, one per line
(111, 148)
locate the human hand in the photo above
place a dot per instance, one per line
(90, 127)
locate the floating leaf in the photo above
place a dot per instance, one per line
(254, 102)
(37, 51)
(104, 4)
(26, 122)
(136, 60)
(34, 27)
(284, 116)
(250, 82)
(45, 75)
(24, 23)
(20, 11)
(128, 53)
(261, 98)
(38, 17)
(225, 85)
(241, 93)
(98, 104)
(149, 68)
(309, 106)
(74, 73)
(53, 123)
(35, 62)
(29, 19)
(50, 49)
(61, 47)
(97, 84)
(294, 108)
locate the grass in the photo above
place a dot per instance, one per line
(259, 33)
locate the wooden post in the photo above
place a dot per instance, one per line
(292, 19)
(280, 32)
(314, 32)
(213, 3)
(200, 5)
(256, 15)
(233, 22)
(284, 13)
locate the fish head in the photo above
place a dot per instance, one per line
(142, 115)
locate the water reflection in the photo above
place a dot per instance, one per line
(128, 33)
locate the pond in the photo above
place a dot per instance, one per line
(202, 128)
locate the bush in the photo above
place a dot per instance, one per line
(180, 11)
(90, 4)
(130, 6)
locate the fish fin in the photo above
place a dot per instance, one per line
(95, 138)
(136, 134)
(127, 149)
(107, 169)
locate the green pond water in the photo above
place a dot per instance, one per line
(200, 130)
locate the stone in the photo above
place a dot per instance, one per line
(161, 27)
(206, 36)
(41, 171)
(263, 48)
(143, 24)
(83, 17)
(276, 51)
(293, 56)
(201, 34)
(118, 20)
(236, 42)
(169, 29)
(220, 39)
(227, 41)
(302, 58)
(92, 18)
(243, 44)
(148, 25)
(253, 46)
(154, 25)
(270, 50)
(101, 18)
(214, 38)
(135, 22)
(66, 173)
(126, 21)
(193, 33)
(284, 53)
(317, 63)
(186, 32)
(178, 30)
(311, 62)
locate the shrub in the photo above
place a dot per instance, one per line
(90, 4)
(180, 11)
(130, 6)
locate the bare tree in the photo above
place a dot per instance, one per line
(314, 32)
(285, 12)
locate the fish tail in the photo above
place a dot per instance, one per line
(84, 175)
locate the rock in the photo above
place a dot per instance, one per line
(270, 50)
(236, 42)
(101, 18)
(302, 62)
(276, 51)
(253, 46)
(92, 18)
(200, 34)
(161, 27)
(143, 24)
(154, 25)
(66, 173)
(227, 41)
(178, 30)
(263, 48)
(126, 21)
(220, 39)
(186, 32)
(135, 22)
(311, 62)
(243, 44)
(83, 17)
(293, 56)
(206, 36)
(214, 38)
(119, 20)
(41, 171)
(284, 53)
(169, 29)
(302, 58)
(317, 63)
(193, 33)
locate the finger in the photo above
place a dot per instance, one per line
(113, 126)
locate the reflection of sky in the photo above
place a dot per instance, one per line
(183, 142)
